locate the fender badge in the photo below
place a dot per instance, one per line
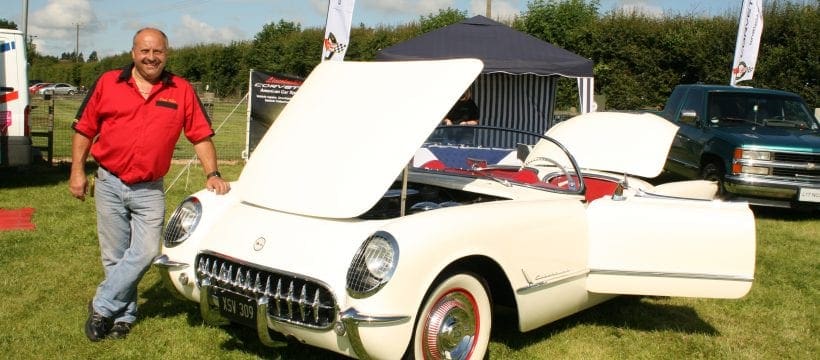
(259, 243)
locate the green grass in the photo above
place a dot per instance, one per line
(50, 274)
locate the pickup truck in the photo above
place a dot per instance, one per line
(762, 146)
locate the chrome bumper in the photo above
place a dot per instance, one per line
(768, 192)
(165, 265)
(348, 324)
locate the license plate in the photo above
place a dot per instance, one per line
(809, 195)
(236, 307)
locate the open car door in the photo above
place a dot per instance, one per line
(671, 247)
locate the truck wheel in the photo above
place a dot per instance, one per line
(713, 172)
(454, 321)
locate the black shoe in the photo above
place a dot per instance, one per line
(120, 330)
(97, 326)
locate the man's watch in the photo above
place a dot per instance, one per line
(212, 174)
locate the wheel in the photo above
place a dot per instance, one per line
(714, 172)
(454, 321)
(70, 92)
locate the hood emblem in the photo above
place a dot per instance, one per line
(259, 243)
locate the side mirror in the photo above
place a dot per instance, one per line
(689, 117)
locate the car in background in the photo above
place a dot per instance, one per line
(348, 231)
(37, 86)
(761, 145)
(58, 89)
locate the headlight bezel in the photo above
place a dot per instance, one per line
(183, 222)
(381, 251)
(753, 154)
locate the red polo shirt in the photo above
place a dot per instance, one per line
(135, 137)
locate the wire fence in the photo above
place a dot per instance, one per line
(51, 118)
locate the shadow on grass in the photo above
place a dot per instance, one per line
(784, 214)
(620, 313)
(161, 303)
(39, 174)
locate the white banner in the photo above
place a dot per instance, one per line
(337, 30)
(749, 30)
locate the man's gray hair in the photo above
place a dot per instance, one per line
(164, 37)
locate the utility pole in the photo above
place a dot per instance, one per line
(25, 19)
(77, 45)
(489, 9)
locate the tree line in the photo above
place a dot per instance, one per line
(638, 58)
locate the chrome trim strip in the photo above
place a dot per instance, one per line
(550, 281)
(352, 319)
(372, 320)
(721, 277)
(164, 262)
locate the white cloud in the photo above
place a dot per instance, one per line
(54, 27)
(192, 31)
(640, 7)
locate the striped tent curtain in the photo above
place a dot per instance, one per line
(521, 102)
(586, 86)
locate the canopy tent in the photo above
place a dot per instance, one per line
(517, 86)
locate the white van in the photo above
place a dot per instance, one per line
(15, 137)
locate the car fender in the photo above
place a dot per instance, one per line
(213, 207)
(430, 242)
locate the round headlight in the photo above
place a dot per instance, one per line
(373, 265)
(378, 256)
(183, 222)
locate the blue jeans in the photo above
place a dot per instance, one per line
(129, 227)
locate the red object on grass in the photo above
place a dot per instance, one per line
(16, 219)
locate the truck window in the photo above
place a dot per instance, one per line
(731, 109)
(672, 104)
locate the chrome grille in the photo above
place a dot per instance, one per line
(808, 174)
(796, 165)
(797, 158)
(293, 299)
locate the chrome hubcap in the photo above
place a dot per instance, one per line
(451, 327)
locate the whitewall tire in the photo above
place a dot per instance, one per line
(454, 321)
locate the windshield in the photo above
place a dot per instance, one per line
(504, 155)
(730, 109)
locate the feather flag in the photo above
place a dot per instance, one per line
(337, 30)
(749, 30)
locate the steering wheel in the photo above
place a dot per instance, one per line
(551, 162)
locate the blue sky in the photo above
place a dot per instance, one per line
(106, 26)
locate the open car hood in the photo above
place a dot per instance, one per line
(632, 143)
(348, 132)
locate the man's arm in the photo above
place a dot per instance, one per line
(77, 182)
(206, 152)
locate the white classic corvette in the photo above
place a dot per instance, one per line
(352, 229)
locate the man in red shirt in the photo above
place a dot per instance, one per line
(129, 122)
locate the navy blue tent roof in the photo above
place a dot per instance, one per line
(502, 49)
